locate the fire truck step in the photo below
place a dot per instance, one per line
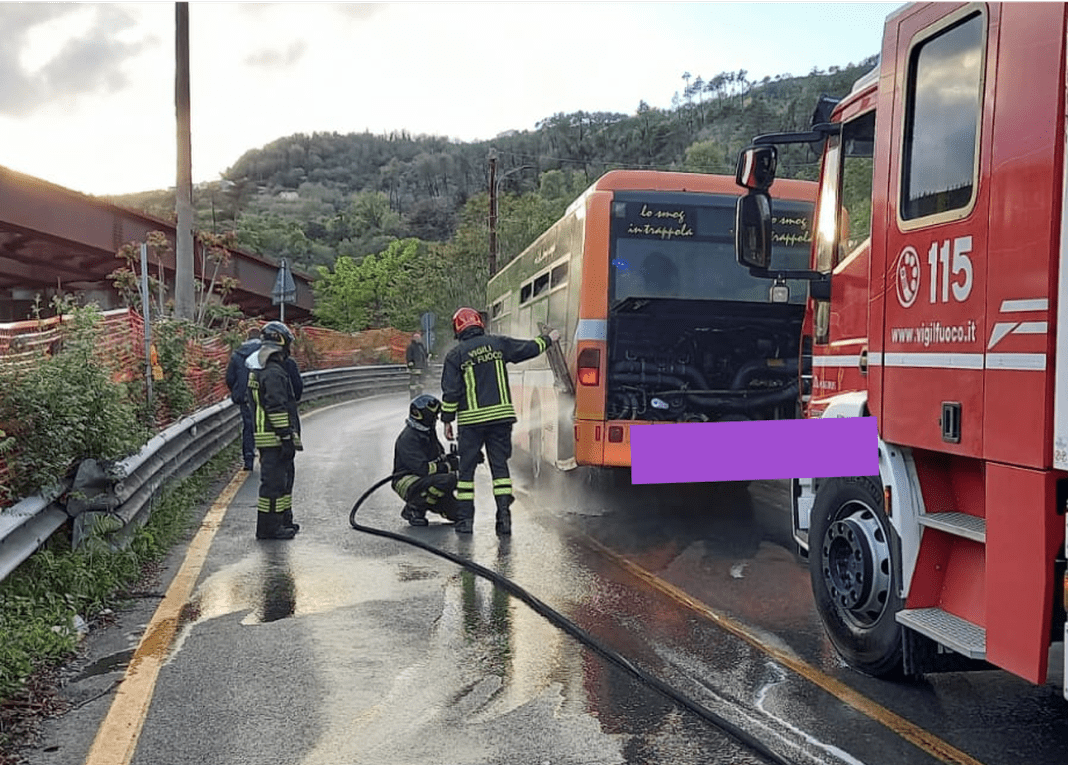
(959, 524)
(949, 630)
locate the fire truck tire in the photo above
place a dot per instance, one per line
(853, 564)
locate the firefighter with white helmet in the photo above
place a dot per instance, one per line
(276, 430)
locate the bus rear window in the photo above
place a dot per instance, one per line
(680, 246)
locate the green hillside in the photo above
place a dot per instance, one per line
(315, 199)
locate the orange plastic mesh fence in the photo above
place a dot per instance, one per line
(122, 352)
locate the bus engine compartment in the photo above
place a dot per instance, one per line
(702, 361)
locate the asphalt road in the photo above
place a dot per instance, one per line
(342, 647)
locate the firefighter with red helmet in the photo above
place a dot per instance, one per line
(475, 393)
(424, 476)
(276, 430)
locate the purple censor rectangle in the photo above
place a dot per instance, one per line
(694, 452)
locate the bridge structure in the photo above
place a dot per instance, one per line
(53, 239)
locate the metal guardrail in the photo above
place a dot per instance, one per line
(173, 454)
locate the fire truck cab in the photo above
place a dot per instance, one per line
(939, 263)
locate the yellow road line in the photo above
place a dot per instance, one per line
(909, 731)
(116, 739)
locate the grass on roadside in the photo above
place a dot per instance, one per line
(42, 599)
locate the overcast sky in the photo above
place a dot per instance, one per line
(87, 90)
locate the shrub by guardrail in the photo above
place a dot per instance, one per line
(73, 387)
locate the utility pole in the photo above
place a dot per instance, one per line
(493, 212)
(183, 197)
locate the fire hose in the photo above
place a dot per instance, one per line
(563, 623)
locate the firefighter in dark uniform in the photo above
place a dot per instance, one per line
(475, 393)
(424, 476)
(237, 382)
(276, 428)
(416, 358)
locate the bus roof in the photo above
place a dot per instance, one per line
(657, 180)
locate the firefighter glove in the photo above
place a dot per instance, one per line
(288, 448)
(453, 461)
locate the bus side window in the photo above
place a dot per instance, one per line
(541, 284)
(559, 275)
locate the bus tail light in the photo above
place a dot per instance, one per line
(589, 366)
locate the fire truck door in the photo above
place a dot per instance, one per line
(935, 258)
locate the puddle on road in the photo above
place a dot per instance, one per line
(274, 583)
(277, 582)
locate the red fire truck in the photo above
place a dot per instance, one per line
(939, 263)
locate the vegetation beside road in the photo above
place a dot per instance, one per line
(48, 603)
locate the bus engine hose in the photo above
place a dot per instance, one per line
(761, 367)
(743, 401)
(651, 370)
(560, 621)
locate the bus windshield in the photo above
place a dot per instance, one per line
(681, 246)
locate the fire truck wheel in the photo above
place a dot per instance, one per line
(853, 565)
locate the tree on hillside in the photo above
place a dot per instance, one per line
(431, 220)
(382, 290)
(710, 156)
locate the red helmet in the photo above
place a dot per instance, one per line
(466, 318)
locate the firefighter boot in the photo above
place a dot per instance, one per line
(416, 516)
(447, 508)
(504, 515)
(465, 516)
(269, 526)
(287, 521)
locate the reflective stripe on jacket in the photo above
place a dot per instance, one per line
(415, 455)
(274, 406)
(474, 381)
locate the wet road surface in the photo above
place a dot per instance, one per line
(341, 647)
(728, 547)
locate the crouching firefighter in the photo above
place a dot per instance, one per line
(424, 476)
(276, 431)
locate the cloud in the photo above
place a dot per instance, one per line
(273, 58)
(254, 9)
(358, 11)
(86, 63)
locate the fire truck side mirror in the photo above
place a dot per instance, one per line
(756, 168)
(752, 230)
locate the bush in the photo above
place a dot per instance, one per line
(66, 409)
(174, 394)
(39, 599)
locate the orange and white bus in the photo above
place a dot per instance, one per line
(658, 321)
